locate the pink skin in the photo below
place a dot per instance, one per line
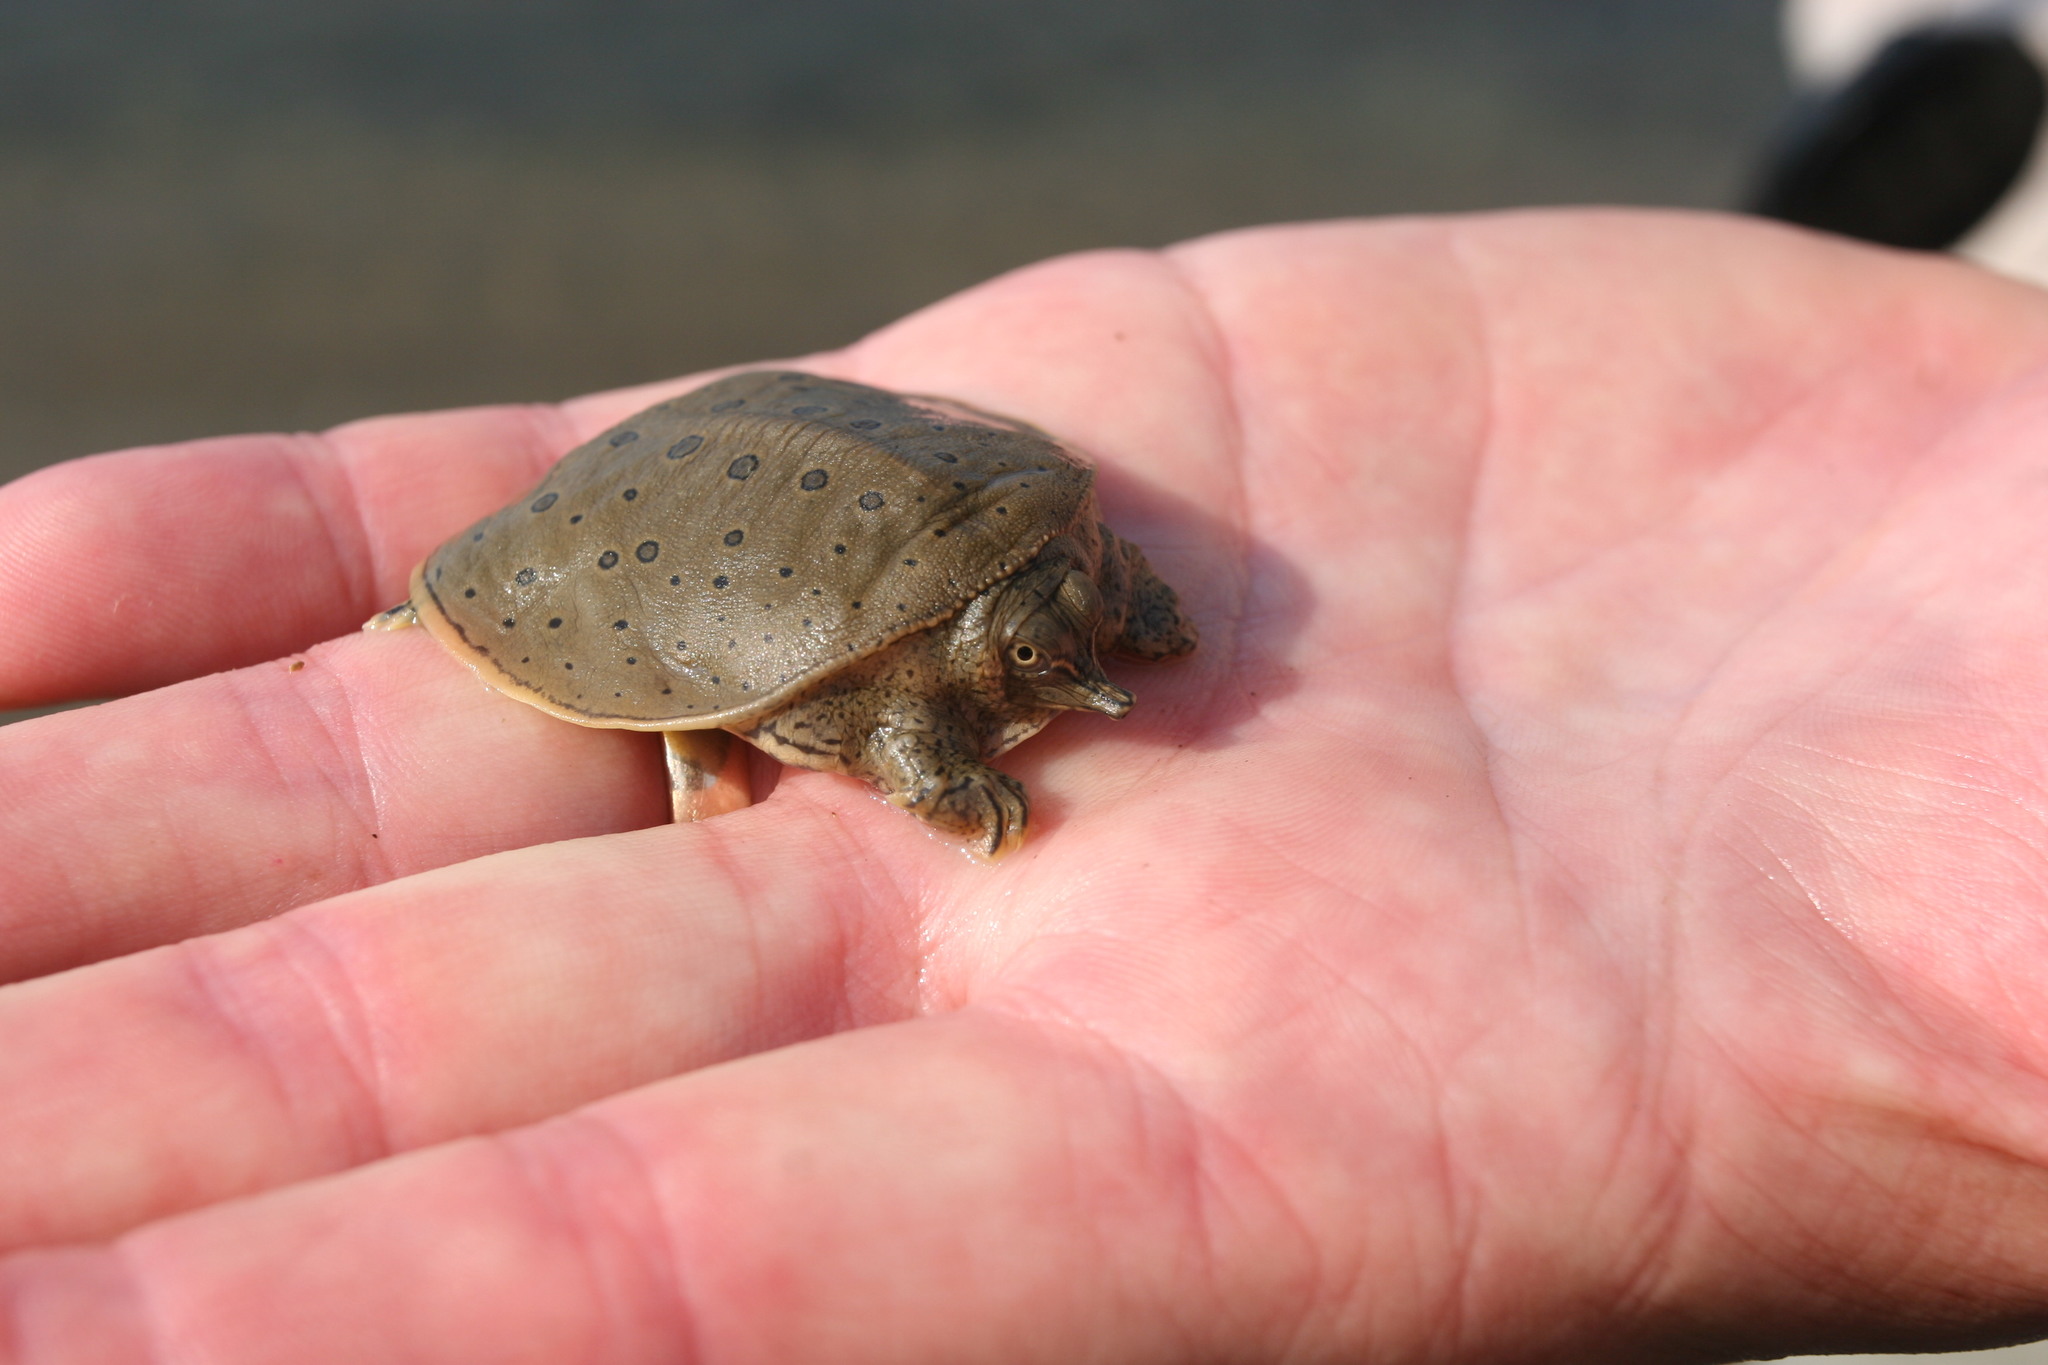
(1586, 900)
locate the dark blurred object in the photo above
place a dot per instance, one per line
(1918, 147)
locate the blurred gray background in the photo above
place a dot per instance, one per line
(229, 215)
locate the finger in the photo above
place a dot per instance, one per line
(466, 1001)
(952, 1189)
(230, 798)
(132, 570)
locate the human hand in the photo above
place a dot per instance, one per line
(1584, 900)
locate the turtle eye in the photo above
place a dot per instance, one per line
(1023, 655)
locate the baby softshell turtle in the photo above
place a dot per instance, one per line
(857, 581)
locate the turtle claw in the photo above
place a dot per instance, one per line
(987, 808)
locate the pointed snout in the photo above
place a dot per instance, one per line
(1106, 697)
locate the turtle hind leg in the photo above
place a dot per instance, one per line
(394, 618)
(1154, 627)
(707, 774)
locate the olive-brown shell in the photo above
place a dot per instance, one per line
(706, 558)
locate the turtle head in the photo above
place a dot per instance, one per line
(1049, 652)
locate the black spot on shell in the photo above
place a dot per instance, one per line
(526, 659)
(525, 576)
(864, 424)
(948, 456)
(729, 404)
(675, 580)
(570, 666)
(871, 500)
(816, 591)
(623, 438)
(1002, 511)
(478, 536)
(469, 592)
(544, 502)
(785, 571)
(439, 569)
(807, 410)
(680, 647)
(959, 485)
(648, 551)
(901, 607)
(721, 582)
(555, 624)
(618, 625)
(714, 680)
(742, 467)
(666, 690)
(608, 559)
(807, 622)
(910, 563)
(940, 533)
(856, 606)
(814, 480)
(578, 517)
(767, 639)
(838, 549)
(684, 447)
(507, 623)
(630, 494)
(631, 659)
(735, 537)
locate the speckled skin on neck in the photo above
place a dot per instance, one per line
(921, 720)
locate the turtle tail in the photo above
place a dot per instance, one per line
(394, 618)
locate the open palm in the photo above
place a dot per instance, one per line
(1587, 899)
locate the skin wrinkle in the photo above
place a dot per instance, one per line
(349, 1031)
(1397, 1037)
(1219, 358)
(1659, 526)
(1124, 1073)
(350, 549)
(1462, 608)
(658, 1256)
(1931, 779)
(371, 855)
(1740, 765)
(349, 758)
(853, 911)
(1458, 600)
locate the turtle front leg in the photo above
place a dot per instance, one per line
(945, 784)
(917, 751)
